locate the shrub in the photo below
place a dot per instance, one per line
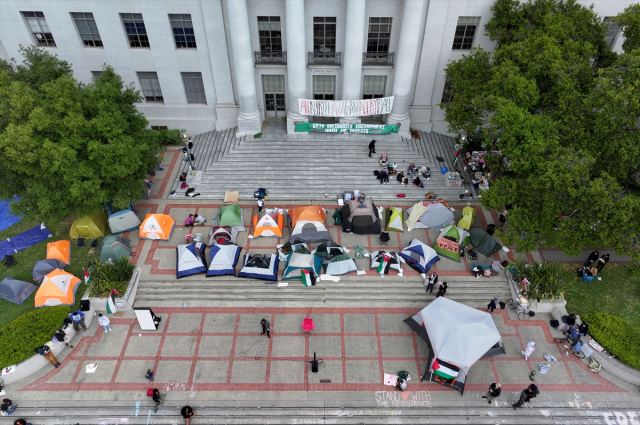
(169, 137)
(106, 276)
(545, 279)
(21, 337)
(616, 335)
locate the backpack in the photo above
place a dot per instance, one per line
(554, 324)
(337, 217)
(150, 392)
(67, 321)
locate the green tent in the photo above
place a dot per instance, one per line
(484, 242)
(90, 226)
(114, 247)
(228, 215)
(450, 240)
(393, 220)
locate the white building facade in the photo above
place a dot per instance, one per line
(215, 64)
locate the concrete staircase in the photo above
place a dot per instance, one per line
(308, 166)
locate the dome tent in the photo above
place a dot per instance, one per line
(419, 256)
(44, 267)
(340, 265)
(190, 259)
(60, 250)
(58, 288)
(222, 236)
(297, 262)
(268, 224)
(431, 215)
(90, 226)
(229, 215)
(223, 260)
(15, 291)
(484, 242)
(124, 220)
(361, 217)
(450, 240)
(468, 215)
(307, 224)
(260, 266)
(157, 227)
(114, 247)
(393, 220)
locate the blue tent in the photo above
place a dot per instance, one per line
(24, 240)
(15, 291)
(419, 256)
(6, 218)
(223, 260)
(263, 267)
(190, 259)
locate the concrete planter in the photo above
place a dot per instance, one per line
(123, 303)
(544, 306)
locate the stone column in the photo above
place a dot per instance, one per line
(249, 119)
(353, 48)
(406, 60)
(296, 61)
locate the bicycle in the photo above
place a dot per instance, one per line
(522, 309)
(567, 341)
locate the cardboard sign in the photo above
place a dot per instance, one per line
(448, 245)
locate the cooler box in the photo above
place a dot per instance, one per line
(452, 179)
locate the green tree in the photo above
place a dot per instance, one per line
(629, 20)
(67, 147)
(561, 111)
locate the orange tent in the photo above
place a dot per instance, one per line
(58, 288)
(157, 226)
(308, 213)
(60, 250)
(268, 225)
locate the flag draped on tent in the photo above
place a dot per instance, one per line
(444, 369)
(87, 278)
(111, 301)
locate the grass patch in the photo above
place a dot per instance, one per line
(23, 269)
(617, 294)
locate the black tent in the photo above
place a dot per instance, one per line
(361, 217)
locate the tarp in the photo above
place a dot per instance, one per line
(394, 264)
(393, 220)
(268, 224)
(24, 240)
(360, 217)
(6, 218)
(340, 265)
(90, 226)
(124, 220)
(484, 242)
(223, 260)
(468, 214)
(190, 259)
(15, 291)
(307, 224)
(58, 288)
(297, 262)
(114, 247)
(263, 267)
(429, 215)
(60, 250)
(157, 226)
(419, 256)
(222, 236)
(229, 215)
(44, 267)
(450, 240)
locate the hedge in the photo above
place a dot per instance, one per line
(616, 335)
(21, 337)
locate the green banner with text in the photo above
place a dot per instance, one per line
(347, 128)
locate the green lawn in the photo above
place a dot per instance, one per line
(618, 293)
(25, 260)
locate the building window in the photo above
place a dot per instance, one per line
(183, 31)
(159, 127)
(87, 29)
(270, 34)
(612, 30)
(379, 36)
(150, 87)
(194, 87)
(447, 92)
(465, 31)
(324, 87)
(39, 29)
(96, 74)
(374, 86)
(136, 32)
(324, 35)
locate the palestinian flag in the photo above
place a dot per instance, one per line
(455, 158)
(87, 278)
(111, 302)
(383, 263)
(444, 369)
(308, 278)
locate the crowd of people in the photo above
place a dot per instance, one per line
(412, 172)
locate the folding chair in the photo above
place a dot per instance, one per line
(384, 238)
(586, 278)
(307, 325)
(80, 243)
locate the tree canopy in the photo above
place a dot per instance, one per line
(67, 147)
(557, 111)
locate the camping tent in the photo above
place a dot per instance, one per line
(44, 267)
(257, 266)
(457, 336)
(341, 264)
(157, 226)
(307, 224)
(328, 250)
(114, 247)
(60, 250)
(190, 259)
(484, 242)
(468, 214)
(90, 226)
(432, 215)
(360, 217)
(58, 288)
(419, 256)
(223, 260)
(450, 240)
(124, 220)
(6, 218)
(222, 236)
(229, 215)
(395, 263)
(15, 291)
(268, 224)
(297, 262)
(393, 220)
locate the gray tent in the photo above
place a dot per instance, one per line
(341, 264)
(432, 216)
(15, 291)
(44, 267)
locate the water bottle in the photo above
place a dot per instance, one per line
(184, 305)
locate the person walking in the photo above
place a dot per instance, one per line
(529, 350)
(45, 350)
(157, 399)
(187, 413)
(430, 282)
(592, 258)
(260, 203)
(189, 221)
(104, 322)
(494, 391)
(78, 320)
(266, 327)
(526, 395)
(372, 147)
(602, 261)
(493, 304)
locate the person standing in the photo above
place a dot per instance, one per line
(527, 394)
(260, 203)
(529, 350)
(78, 320)
(187, 413)
(494, 391)
(266, 327)
(45, 351)
(592, 258)
(443, 288)
(602, 261)
(104, 322)
(430, 282)
(372, 147)
(493, 304)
